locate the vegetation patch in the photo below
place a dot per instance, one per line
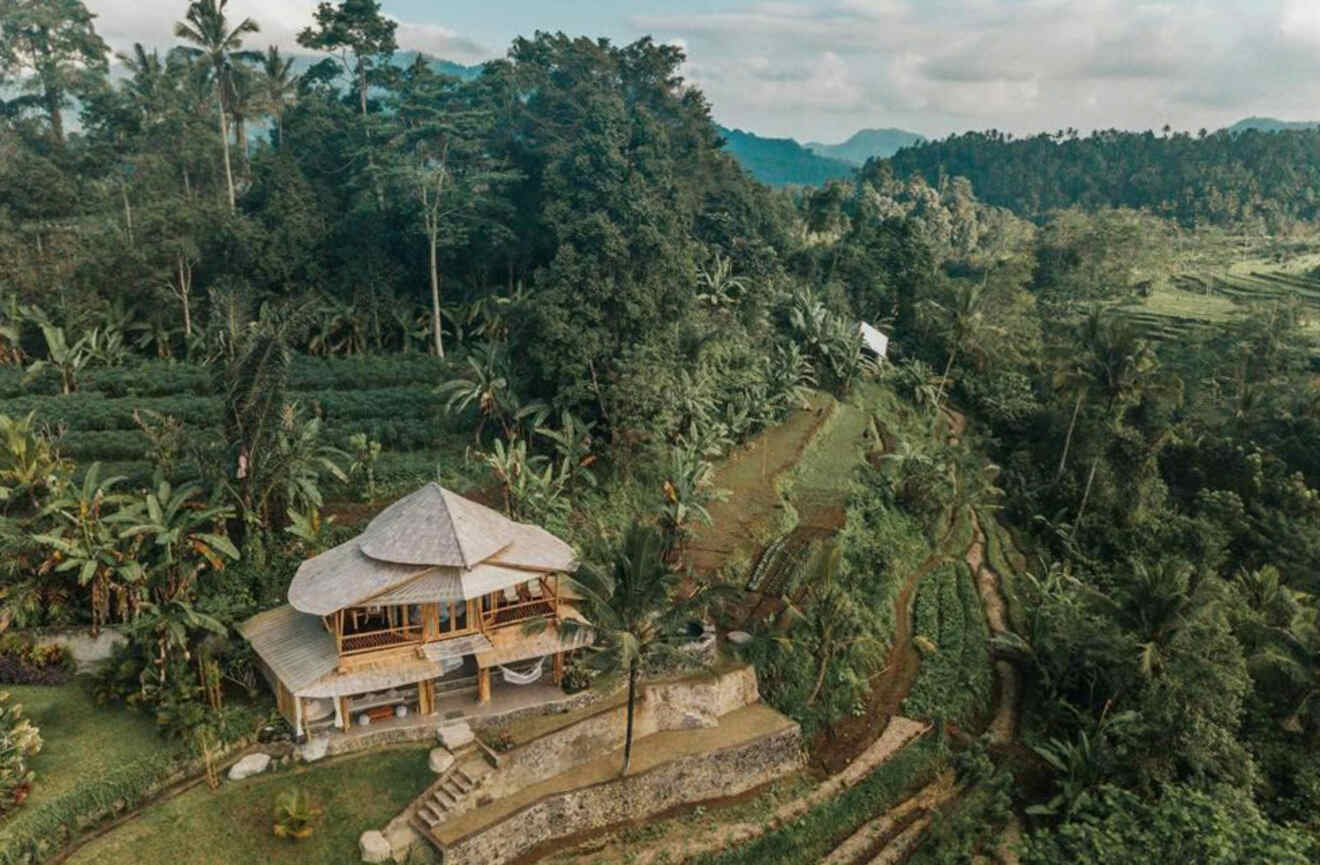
(956, 677)
(236, 822)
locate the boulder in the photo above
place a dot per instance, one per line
(739, 638)
(401, 839)
(455, 735)
(252, 764)
(440, 760)
(374, 847)
(314, 749)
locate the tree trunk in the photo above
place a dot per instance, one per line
(362, 86)
(1086, 494)
(632, 704)
(939, 392)
(1067, 440)
(224, 145)
(128, 212)
(56, 116)
(185, 291)
(435, 298)
(820, 675)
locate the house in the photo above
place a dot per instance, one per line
(432, 599)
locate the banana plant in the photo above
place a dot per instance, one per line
(85, 540)
(29, 462)
(178, 538)
(68, 358)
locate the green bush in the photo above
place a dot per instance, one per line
(955, 679)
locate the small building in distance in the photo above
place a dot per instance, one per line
(431, 600)
(874, 340)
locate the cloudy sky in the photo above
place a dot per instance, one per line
(821, 70)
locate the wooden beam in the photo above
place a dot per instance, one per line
(558, 675)
(483, 685)
(425, 697)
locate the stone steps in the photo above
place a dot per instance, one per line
(452, 793)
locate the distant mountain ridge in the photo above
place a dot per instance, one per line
(867, 143)
(1272, 124)
(782, 161)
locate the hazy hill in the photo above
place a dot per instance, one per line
(867, 143)
(1271, 124)
(782, 161)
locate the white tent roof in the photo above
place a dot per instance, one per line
(874, 339)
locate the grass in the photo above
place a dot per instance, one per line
(233, 824)
(81, 739)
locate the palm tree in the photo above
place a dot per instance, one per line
(1290, 658)
(964, 327)
(1156, 603)
(278, 86)
(635, 614)
(212, 38)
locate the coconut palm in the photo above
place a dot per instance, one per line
(635, 615)
(278, 87)
(207, 28)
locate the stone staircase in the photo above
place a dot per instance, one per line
(454, 792)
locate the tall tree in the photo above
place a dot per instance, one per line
(278, 86)
(634, 613)
(358, 35)
(441, 161)
(207, 28)
(52, 46)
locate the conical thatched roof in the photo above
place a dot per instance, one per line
(431, 545)
(436, 527)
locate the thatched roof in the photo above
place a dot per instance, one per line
(436, 527)
(430, 546)
(302, 655)
(296, 646)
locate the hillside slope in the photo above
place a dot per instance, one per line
(867, 143)
(782, 161)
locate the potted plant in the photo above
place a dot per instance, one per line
(295, 815)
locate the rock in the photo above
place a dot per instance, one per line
(252, 764)
(455, 735)
(739, 638)
(374, 847)
(314, 749)
(401, 840)
(440, 760)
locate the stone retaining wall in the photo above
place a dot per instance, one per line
(681, 705)
(683, 781)
(88, 651)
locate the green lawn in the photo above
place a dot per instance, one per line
(232, 825)
(81, 739)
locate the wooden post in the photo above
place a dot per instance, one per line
(345, 720)
(557, 598)
(425, 697)
(483, 685)
(558, 677)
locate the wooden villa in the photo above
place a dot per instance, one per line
(432, 599)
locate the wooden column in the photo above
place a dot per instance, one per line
(425, 697)
(483, 685)
(342, 705)
(558, 676)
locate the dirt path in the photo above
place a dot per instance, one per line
(1008, 680)
(751, 508)
(870, 842)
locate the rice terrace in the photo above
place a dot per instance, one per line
(743, 434)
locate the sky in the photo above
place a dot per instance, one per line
(822, 70)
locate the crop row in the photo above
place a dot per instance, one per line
(85, 411)
(954, 681)
(159, 378)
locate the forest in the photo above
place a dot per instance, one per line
(238, 306)
(1252, 180)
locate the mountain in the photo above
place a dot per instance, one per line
(867, 143)
(782, 161)
(1271, 124)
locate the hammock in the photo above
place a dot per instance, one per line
(513, 677)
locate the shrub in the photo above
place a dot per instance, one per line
(23, 662)
(295, 815)
(19, 740)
